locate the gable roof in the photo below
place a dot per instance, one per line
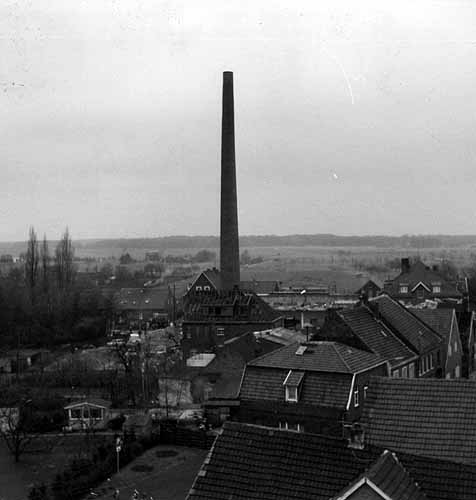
(441, 320)
(388, 478)
(410, 328)
(259, 463)
(322, 356)
(420, 273)
(429, 417)
(376, 335)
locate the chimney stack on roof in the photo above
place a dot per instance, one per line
(229, 244)
(405, 265)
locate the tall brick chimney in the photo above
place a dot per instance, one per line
(229, 245)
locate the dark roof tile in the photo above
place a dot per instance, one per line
(258, 463)
(429, 417)
(321, 356)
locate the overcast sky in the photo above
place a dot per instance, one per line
(351, 117)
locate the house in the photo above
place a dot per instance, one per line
(369, 289)
(250, 462)
(424, 417)
(93, 413)
(313, 386)
(212, 317)
(418, 282)
(360, 328)
(414, 333)
(444, 322)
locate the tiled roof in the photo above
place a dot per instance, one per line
(330, 390)
(429, 417)
(249, 462)
(331, 357)
(375, 335)
(417, 333)
(390, 477)
(438, 319)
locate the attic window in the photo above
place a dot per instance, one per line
(198, 288)
(291, 386)
(206, 288)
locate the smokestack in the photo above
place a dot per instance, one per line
(229, 245)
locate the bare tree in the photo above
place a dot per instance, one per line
(14, 429)
(45, 264)
(64, 255)
(31, 261)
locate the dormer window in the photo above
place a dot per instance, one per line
(403, 288)
(292, 384)
(291, 393)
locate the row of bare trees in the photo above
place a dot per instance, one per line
(39, 264)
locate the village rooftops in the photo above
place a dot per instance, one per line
(250, 462)
(376, 335)
(428, 417)
(332, 357)
(412, 330)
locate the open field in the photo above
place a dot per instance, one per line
(163, 473)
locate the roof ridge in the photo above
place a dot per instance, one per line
(341, 357)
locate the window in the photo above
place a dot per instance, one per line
(356, 398)
(450, 352)
(291, 393)
(365, 391)
(75, 413)
(420, 293)
(430, 361)
(290, 426)
(220, 331)
(95, 413)
(395, 373)
(403, 288)
(411, 371)
(448, 375)
(457, 372)
(405, 372)
(206, 288)
(456, 346)
(198, 288)
(436, 289)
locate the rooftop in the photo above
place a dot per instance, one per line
(332, 357)
(404, 322)
(429, 417)
(259, 463)
(375, 335)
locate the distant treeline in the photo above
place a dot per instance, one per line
(298, 240)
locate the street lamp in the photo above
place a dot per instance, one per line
(118, 449)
